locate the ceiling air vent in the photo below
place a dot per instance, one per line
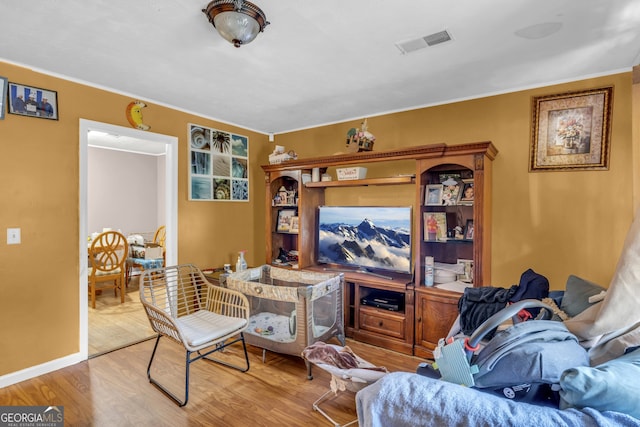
(430, 40)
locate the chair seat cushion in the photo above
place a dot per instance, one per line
(104, 273)
(146, 264)
(205, 326)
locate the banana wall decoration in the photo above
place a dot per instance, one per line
(134, 115)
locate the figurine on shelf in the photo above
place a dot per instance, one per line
(360, 139)
(280, 155)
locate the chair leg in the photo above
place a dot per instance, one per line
(223, 346)
(172, 396)
(189, 360)
(92, 291)
(122, 288)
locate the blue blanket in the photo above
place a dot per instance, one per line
(405, 399)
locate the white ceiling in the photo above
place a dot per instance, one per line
(319, 62)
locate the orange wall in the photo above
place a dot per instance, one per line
(39, 171)
(557, 223)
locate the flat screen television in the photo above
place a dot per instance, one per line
(368, 238)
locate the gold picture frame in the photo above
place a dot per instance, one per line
(571, 131)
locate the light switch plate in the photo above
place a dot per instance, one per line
(13, 236)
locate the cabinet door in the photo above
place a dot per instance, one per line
(436, 314)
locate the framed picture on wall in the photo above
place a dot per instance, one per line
(3, 95)
(570, 131)
(33, 101)
(219, 165)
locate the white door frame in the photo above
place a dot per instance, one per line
(171, 207)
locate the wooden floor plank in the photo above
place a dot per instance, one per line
(113, 390)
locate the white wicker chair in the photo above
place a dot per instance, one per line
(184, 307)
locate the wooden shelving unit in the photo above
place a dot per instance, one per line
(406, 329)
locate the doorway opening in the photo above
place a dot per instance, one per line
(134, 141)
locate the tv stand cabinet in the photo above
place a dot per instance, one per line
(402, 327)
(380, 311)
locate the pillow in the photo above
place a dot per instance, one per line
(576, 296)
(612, 386)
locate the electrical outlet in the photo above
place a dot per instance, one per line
(13, 236)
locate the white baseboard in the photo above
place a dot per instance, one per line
(45, 368)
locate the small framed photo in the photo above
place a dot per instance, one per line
(33, 101)
(3, 95)
(468, 231)
(435, 226)
(433, 195)
(295, 225)
(451, 191)
(283, 224)
(467, 265)
(468, 192)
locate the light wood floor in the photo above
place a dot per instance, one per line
(113, 325)
(113, 390)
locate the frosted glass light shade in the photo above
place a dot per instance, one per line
(237, 21)
(236, 27)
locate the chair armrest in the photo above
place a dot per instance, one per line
(162, 323)
(227, 302)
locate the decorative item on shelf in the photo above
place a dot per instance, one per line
(450, 192)
(467, 275)
(285, 197)
(468, 232)
(279, 155)
(433, 195)
(346, 174)
(360, 139)
(286, 257)
(283, 223)
(468, 191)
(237, 21)
(435, 226)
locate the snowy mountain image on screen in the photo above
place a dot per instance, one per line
(367, 243)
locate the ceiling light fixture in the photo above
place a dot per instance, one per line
(237, 21)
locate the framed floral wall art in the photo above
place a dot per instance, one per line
(219, 165)
(571, 131)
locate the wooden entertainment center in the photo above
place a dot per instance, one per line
(420, 314)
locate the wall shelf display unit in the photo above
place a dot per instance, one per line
(454, 229)
(284, 244)
(380, 308)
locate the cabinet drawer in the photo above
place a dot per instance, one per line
(385, 323)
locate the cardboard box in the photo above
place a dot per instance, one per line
(346, 174)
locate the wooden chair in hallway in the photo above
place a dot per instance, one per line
(107, 254)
